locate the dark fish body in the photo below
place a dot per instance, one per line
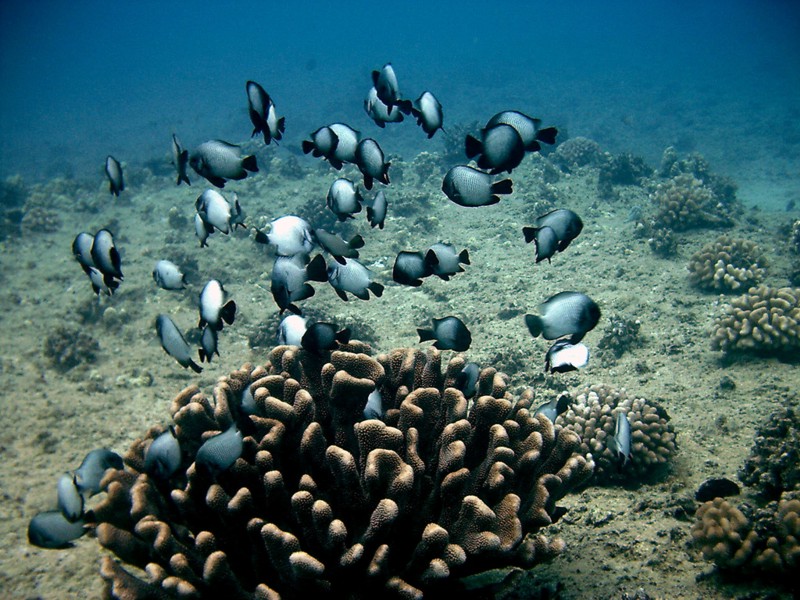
(291, 330)
(213, 307)
(290, 235)
(370, 161)
(410, 268)
(93, 468)
(444, 261)
(376, 210)
(528, 128)
(219, 161)
(554, 407)
(721, 487)
(385, 82)
(470, 187)
(566, 225)
(563, 357)
(174, 344)
(51, 529)
(428, 112)
(163, 456)
(566, 313)
(620, 443)
(70, 500)
(168, 275)
(545, 240)
(323, 144)
(467, 379)
(500, 148)
(449, 333)
(116, 184)
(290, 275)
(105, 255)
(379, 112)
(208, 344)
(202, 230)
(323, 337)
(82, 249)
(352, 276)
(180, 159)
(336, 246)
(218, 453)
(344, 199)
(262, 113)
(215, 210)
(101, 283)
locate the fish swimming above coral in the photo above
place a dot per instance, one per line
(567, 313)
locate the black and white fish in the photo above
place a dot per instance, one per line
(51, 529)
(219, 161)
(214, 309)
(262, 113)
(352, 276)
(168, 275)
(101, 284)
(291, 330)
(467, 379)
(370, 161)
(180, 159)
(70, 499)
(208, 344)
(116, 183)
(410, 268)
(567, 313)
(620, 443)
(344, 199)
(428, 112)
(174, 344)
(554, 407)
(215, 210)
(93, 467)
(449, 333)
(385, 83)
(105, 255)
(500, 148)
(162, 459)
(528, 128)
(323, 337)
(290, 235)
(323, 144)
(564, 356)
(218, 453)
(470, 187)
(373, 409)
(290, 277)
(379, 112)
(376, 210)
(82, 249)
(202, 230)
(337, 247)
(563, 223)
(444, 261)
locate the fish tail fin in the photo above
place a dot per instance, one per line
(472, 146)
(368, 182)
(357, 241)
(534, 324)
(425, 335)
(343, 336)
(202, 355)
(547, 135)
(405, 107)
(463, 256)
(335, 163)
(281, 128)
(249, 163)
(529, 233)
(308, 146)
(502, 187)
(228, 312)
(261, 237)
(317, 270)
(376, 288)
(195, 367)
(183, 177)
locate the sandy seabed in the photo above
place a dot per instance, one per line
(619, 539)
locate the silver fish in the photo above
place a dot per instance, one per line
(352, 276)
(428, 112)
(566, 225)
(70, 500)
(563, 357)
(214, 309)
(444, 261)
(566, 313)
(174, 344)
(528, 128)
(290, 277)
(208, 344)
(94, 465)
(620, 444)
(336, 246)
(554, 407)
(291, 330)
(322, 337)
(290, 235)
(116, 183)
(219, 161)
(82, 249)
(370, 161)
(449, 333)
(51, 529)
(500, 148)
(410, 268)
(376, 210)
(215, 210)
(163, 456)
(545, 241)
(385, 82)
(344, 199)
(379, 112)
(262, 113)
(470, 187)
(168, 275)
(180, 159)
(218, 453)
(105, 255)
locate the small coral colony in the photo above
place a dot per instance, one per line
(335, 472)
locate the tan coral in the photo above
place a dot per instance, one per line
(727, 264)
(685, 202)
(324, 503)
(764, 319)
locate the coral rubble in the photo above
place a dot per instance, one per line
(727, 264)
(323, 503)
(592, 415)
(765, 319)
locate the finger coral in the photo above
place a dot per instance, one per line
(323, 503)
(765, 319)
(592, 416)
(727, 265)
(684, 202)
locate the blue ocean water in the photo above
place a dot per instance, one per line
(81, 80)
